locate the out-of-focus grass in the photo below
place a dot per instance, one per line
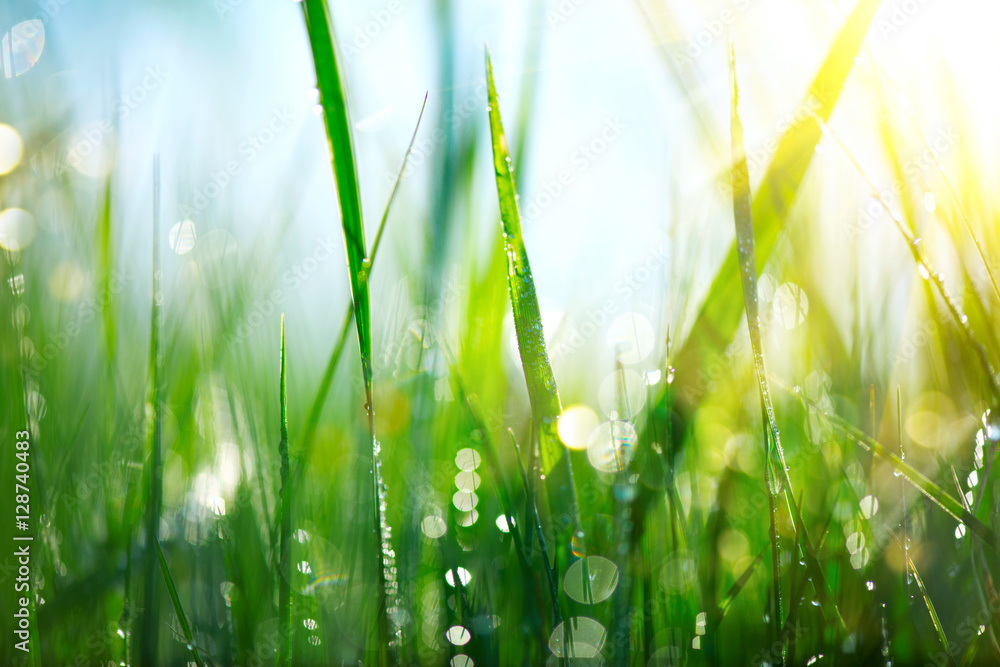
(683, 539)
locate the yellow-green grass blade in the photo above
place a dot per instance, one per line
(178, 609)
(542, 391)
(924, 266)
(720, 313)
(726, 602)
(743, 217)
(285, 537)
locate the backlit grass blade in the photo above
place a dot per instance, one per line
(542, 391)
(743, 216)
(924, 267)
(178, 609)
(285, 537)
(917, 479)
(720, 313)
(149, 623)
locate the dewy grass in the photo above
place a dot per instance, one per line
(743, 216)
(542, 392)
(718, 317)
(188, 458)
(338, 129)
(326, 382)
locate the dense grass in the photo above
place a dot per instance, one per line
(746, 491)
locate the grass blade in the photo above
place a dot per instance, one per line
(743, 216)
(734, 590)
(338, 131)
(285, 538)
(175, 599)
(149, 625)
(542, 391)
(917, 479)
(536, 524)
(942, 637)
(720, 314)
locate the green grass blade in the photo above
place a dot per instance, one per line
(285, 538)
(942, 637)
(178, 609)
(720, 314)
(743, 216)
(149, 625)
(536, 524)
(542, 391)
(917, 479)
(726, 602)
(338, 131)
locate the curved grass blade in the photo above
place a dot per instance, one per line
(178, 609)
(917, 479)
(542, 391)
(720, 313)
(285, 538)
(926, 269)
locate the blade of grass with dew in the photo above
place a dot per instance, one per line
(312, 421)
(924, 267)
(338, 129)
(285, 537)
(178, 609)
(720, 313)
(744, 219)
(149, 623)
(917, 479)
(541, 383)
(743, 216)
